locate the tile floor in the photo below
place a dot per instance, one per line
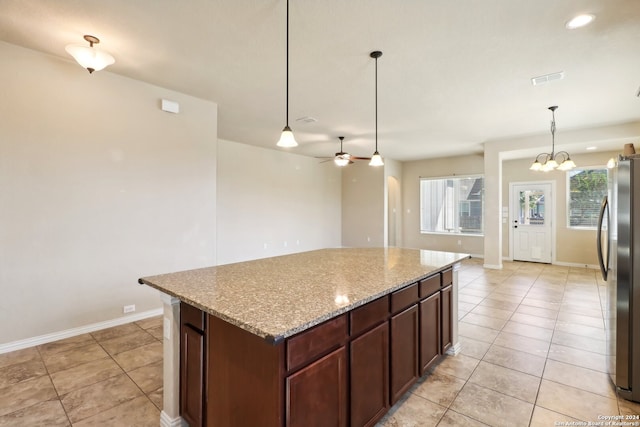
(532, 355)
(111, 377)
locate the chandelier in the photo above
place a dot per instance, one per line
(546, 162)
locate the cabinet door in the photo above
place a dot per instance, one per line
(447, 321)
(317, 395)
(191, 375)
(429, 331)
(370, 376)
(404, 352)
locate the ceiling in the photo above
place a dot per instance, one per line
(453, 75)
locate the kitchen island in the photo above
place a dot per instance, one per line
(327, 337)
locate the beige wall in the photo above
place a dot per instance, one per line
(573, 246)
(273, 203)
(98, 187)
(411, 173)
(363, 205)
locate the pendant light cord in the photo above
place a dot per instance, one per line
(376, 92)
(287, 73)
(553, 133)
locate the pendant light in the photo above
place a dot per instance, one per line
(286, 139)
(546, 162)
(341, 158)
(376, 159)
(90, 57)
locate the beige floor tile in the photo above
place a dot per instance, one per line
(148, 377)
(545, 418)
(477, 332)
(507, 381)
(157, 332)
(413, 411)
(19, 372)
(574, 402)
(459, 366)
(503, 305)
(504, 297)
(492, 312)
(453, 419)
(537, 311)
(574, 356)
(66, 344)
(474, 348)
(24, 394)
(582, 330)
(486, 321)
(475, 292)
(91, 400)
(585, 309)
(465, 306)
(128, 342)
(526, 344)
(19, 356)
(628, 408)
(140, 356)
(46, 414)
(595, 320)
(579, 342)
(80, 376)
(541, 322)
(530, 331)
(116, 332)
(491, 407)
(471, 299)
(439, 388)
(156, 397)
(534, 302)
(66, 359)
(517, 290)
(582, 378)
(545, 295)
(151, 322)
(513, 359)
(138, 412)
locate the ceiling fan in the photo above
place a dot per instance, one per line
(343, 159)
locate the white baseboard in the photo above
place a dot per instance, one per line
(167, 421)
(575, 264)
(55, 336)
(493, 266)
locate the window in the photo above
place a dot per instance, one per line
(586, 188)
(452, 205)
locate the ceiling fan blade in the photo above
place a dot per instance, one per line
(361, 158)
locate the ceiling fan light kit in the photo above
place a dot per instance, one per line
(546, 162)
(90, 57)
(287, 140)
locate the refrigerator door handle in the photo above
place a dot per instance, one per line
(604, 262)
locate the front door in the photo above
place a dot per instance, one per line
(531, 214)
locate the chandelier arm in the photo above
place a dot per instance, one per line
(546, 157)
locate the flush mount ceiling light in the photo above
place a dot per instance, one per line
(90, 57)
(579, 21)
(376, 159)
(546, 162)
(286, 139)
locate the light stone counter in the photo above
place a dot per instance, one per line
(278, 297)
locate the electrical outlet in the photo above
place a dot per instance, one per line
(129, 308)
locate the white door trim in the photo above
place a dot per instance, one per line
(552, 204)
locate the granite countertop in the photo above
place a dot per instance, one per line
(277, 297)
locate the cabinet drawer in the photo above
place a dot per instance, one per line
(404, 298)
(307, 345)
(447, 277)
(429, 285)
(192, 316)
(368, 315)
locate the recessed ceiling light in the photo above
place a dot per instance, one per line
(579, 21)
(592, 148)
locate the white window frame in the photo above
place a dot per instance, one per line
(568, 197)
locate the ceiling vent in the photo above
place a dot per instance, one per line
(547, 78)
(306, 119)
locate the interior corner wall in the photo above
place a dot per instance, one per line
(98, 187)
(272, 202)
(393, 202)
(363, 206)
(433, 168)
(573, 246)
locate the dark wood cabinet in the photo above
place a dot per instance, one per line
(192, 365)
(369, 370)
(316, 396)
(430, 331)
(404, 351)
(447, 322)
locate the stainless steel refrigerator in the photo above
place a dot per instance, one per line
(618, 244)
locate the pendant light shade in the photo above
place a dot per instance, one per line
(546, 162)
(287, 139)
(90, 57)
(341, 158)
(376, 159)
